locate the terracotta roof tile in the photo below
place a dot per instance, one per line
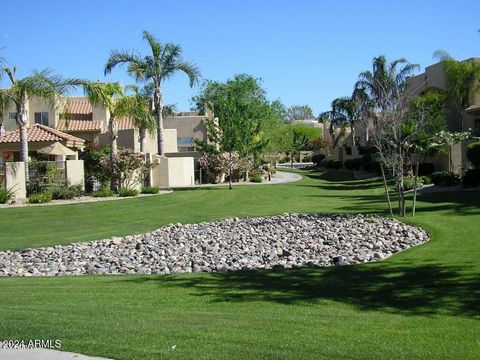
(80, 125)
(39, 132)
(474, 107)
(80, 117)
(125, 123)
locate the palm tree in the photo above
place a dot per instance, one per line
(163, 62)
(140, 112)
(386, 82)
(107, 95)
(350, 110)
(112, 97)
(463, 81)
(43, 85)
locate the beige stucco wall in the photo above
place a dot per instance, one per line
(191, 126)
(173, 172)
(15, 179)
(129, 139)
(75, 172)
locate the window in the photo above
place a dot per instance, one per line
(185, 140)
(41, 118)
(12, 116)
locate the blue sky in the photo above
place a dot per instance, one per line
(306, 51)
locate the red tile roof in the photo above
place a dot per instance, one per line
(474, 107)
(80, 125)
(80, 117)
(39, 132)
(125, 123)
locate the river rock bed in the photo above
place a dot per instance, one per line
(284, 241)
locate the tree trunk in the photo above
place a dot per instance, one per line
(22, 122)
(415, 190)
(291, 161)
(386, 190)
(230, 172)
(352, 131)
(142, 133)
(159, 120)
(112, 124)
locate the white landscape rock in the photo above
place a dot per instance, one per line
(283, 241)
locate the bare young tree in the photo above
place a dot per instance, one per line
(392, 137)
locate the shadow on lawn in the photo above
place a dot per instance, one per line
(418, 290)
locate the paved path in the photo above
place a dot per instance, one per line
(281, 177)
(42, 354)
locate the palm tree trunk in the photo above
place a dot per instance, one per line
(159, 119)
(22, 122)
(113, 152)
(352, 131)
(142, 133)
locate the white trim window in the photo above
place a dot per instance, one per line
(41, 118)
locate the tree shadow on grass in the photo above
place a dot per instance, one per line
(416, 290)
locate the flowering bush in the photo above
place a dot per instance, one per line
(218, 164)
(127, 168)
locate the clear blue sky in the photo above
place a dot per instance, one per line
(306, 51)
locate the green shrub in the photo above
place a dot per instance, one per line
(426, 179)
(150, 190)
(273, 170)
(104, 192)
(353, 164)
(471, 178)
(127, 192)
(307, 158)
(409, 183)
(6, 195)
(40, 198)
(256, 178)
(444, 178)
(286, 159)
(426, 169)
(473, 154)
(318, 159)
(370, 164)
(65, 192)
(333, 164)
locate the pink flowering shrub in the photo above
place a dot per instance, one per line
(126, 169)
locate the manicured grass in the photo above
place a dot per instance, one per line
(422, 303)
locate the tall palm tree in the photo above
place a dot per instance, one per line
(112, 97)
(140, 112)
(107, 95)
(43, 85)
(351, 110)
(386, 82)
(463, 81)
(164, 61)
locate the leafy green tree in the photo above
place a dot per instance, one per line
(463, 81)
(300, 112)
(164, 61)
(241, 107)
(44, 85)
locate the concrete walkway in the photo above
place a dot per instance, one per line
(281, 177)
(42, 354)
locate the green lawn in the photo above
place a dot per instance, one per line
(421, 303)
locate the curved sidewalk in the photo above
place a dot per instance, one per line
(281, 177)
